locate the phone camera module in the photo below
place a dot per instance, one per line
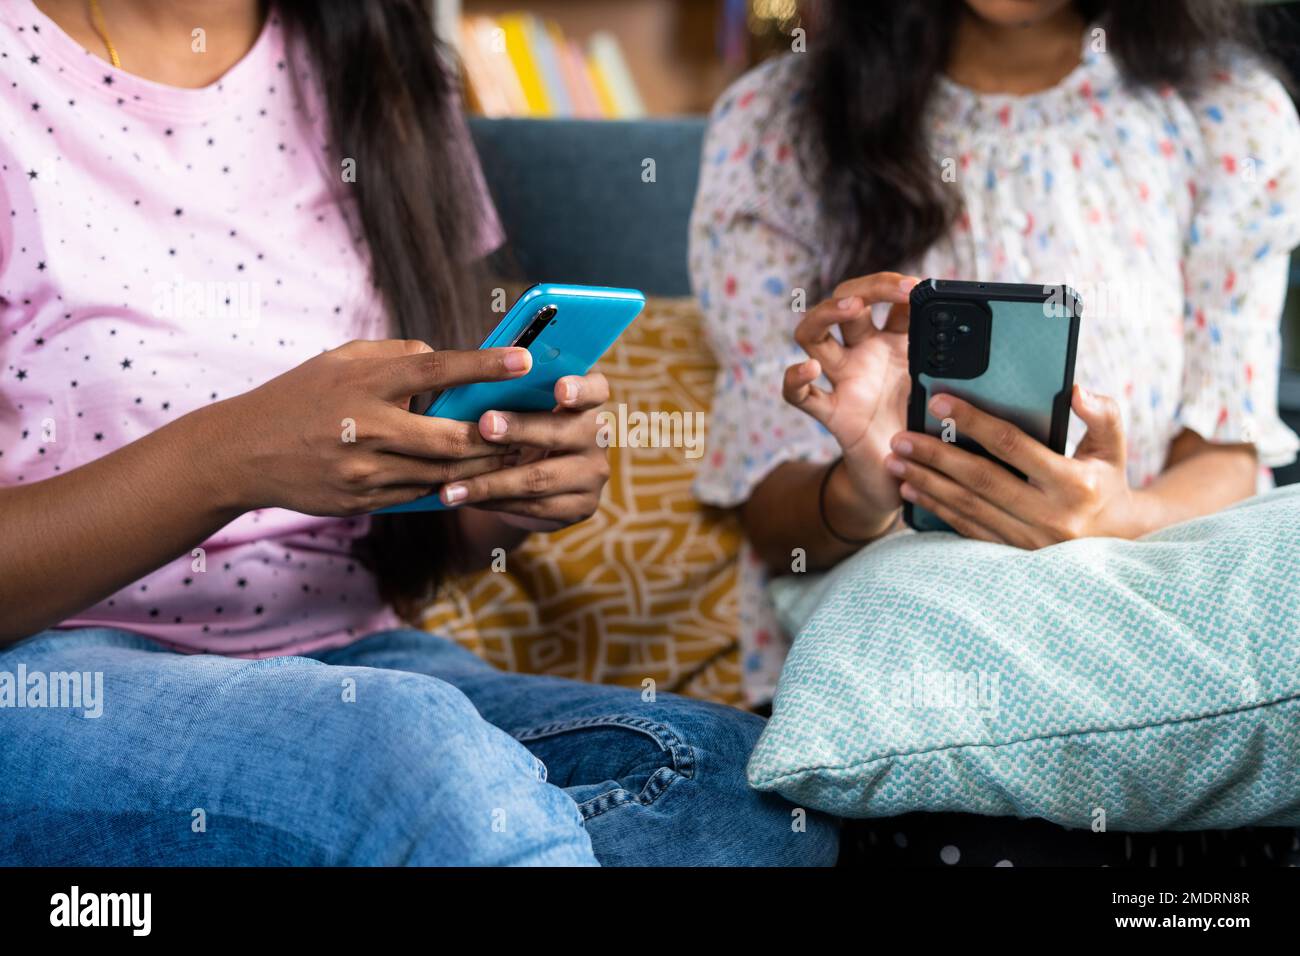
(545, 317)
(956, 337)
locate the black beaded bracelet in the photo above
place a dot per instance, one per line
(821, 508)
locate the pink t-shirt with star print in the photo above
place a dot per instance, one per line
(162, 249)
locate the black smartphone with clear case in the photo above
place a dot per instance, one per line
(1006, 348)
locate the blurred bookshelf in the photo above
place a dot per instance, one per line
(608, 59)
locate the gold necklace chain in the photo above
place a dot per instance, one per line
(97, 21)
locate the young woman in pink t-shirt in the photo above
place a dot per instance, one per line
(226, 229)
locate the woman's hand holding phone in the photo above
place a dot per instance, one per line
(557, 477)
(1062, 499)
(334, 436)
(867, 404)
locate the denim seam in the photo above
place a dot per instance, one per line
(680, 753)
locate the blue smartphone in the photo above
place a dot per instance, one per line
(566, 328)
(1006, 348)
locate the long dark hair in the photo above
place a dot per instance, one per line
(871, 72)
(392, 101)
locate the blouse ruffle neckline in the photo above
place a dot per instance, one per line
(1084, 89)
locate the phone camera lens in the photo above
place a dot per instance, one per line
(942, 319)
(540, 321)
(942, 338)
(941, 359)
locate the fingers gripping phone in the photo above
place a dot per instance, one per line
(1008, 349)
(566, 329)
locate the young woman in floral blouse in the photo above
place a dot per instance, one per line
(1137, 152)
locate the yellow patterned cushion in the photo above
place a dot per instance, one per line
(647, 587)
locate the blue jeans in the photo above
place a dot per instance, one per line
(402, 748)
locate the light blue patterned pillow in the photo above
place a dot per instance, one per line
(1135, 685)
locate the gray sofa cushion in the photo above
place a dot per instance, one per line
(572, 199)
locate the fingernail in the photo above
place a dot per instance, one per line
(941, 406)
(1085, 396)
(902, 446)
(517, 360)
(846, 303)
(496, 424)
(906, 285)
(454, 493)
(880, 314)
(908, 492)
(568, 391)
(895, 467)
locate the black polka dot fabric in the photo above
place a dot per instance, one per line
(955, 839)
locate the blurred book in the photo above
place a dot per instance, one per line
(609, 64)
(520, 65)
(491, 82)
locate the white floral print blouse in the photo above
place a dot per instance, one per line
(1171, 215)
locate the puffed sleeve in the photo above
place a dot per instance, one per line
(755, 269)
(1246, 220)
